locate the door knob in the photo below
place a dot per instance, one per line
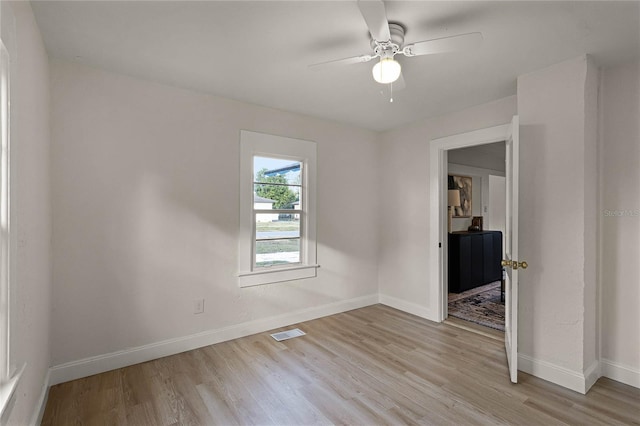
(523, 264)
(505, 263)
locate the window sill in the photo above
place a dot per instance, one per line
(7, 390)
(276, 275)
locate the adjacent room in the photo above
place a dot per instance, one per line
(476, 187)
(319, 212)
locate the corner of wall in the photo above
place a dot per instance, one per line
(599, 206)
(408, 307)
(578, 381)
(620, 372)
(617, 222)
(38, 412)
(590, 323)
(31, 255)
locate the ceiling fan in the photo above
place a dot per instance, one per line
(387, 41)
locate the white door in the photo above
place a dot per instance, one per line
(511, 263)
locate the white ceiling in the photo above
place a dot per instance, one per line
(259, 52)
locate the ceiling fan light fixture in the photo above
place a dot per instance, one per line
(386, 71)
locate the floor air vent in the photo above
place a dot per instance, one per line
(289, 334)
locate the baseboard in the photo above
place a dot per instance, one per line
(101, 363)
(591, 375)
(570, 379)
(620, 373)
(36, 418)
(408, 307)
(574, 380)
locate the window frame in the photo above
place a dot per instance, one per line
(4, 211)
(9, 377)
(264, 145)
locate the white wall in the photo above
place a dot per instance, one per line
(556, 106)
(31, 220)
(404, 209)
(558, 109)
(619, 153)
(145, 213)
(480, 194)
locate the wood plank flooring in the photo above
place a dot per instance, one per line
(370, 366)
(476, 328)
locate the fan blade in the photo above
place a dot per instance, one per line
(446, 44)
(375, 16)
(345, 61)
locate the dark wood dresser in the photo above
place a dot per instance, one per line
(474, 259)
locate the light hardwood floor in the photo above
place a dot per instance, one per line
(369, 366)
(476, 328)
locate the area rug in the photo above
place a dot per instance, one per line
(480, 305)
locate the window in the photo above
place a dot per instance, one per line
(8, 384)
(277, 209)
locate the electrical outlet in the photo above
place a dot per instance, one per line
(198, 306)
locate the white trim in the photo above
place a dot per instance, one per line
(620, 373)
(101, 363)
(267, 271)
(575, 380)
(260, 144)
(408, 307)
(7, 393)
(276, 275)
(9, 373)
(7, 214)
(591, 375)
(38, 414)
(438, 254)
(437, 234)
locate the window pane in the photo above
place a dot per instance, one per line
(276, 170)
(276, 197)
(269, 226)
(277, 252)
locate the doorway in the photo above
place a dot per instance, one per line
(438, 234)
(476, 187)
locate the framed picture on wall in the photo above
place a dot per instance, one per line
(463, 185)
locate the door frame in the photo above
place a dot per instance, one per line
(438, 241)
